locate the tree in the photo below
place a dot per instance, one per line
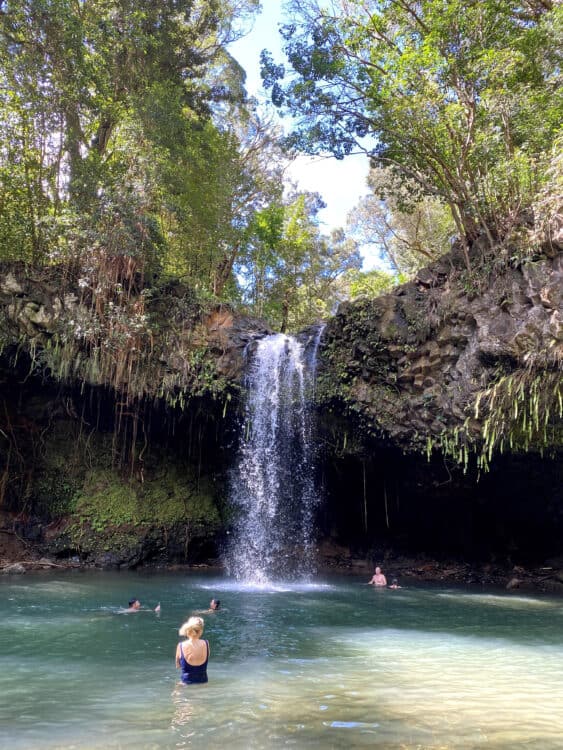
(291, 269)
(213, 178)
(460, 99)
(370, 283)
(295, 256)
(408, 239)
(78, 77)
(258, 264)
(257, 191)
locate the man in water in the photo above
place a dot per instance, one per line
(378, 579)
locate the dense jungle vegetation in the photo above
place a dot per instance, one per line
(129, 147)
(458, 103)
(139, 180)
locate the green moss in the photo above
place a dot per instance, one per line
(54, 495)
(113, 514)
(106, 510)
(107, 500)
(176, 498)
(58, 478)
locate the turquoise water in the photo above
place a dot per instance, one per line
(332, 665)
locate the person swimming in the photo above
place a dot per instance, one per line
(134, 605)
(214, 606)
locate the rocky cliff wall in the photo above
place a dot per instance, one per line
(116, 412)
(415, 365)
(142, 342)
(113, 406)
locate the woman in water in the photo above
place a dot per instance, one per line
(192, 654)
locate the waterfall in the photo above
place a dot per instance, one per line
(273, 485)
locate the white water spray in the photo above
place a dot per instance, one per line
(273, 486)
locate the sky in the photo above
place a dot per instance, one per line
(340, 182)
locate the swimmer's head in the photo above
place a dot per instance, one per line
(134, 604)
(214, 604)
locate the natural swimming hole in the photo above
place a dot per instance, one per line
(333, 664)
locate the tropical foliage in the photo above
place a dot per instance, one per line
(406, 238)
(460, 100)
(127, 141)
(130, 151)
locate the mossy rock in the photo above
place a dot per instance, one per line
(109, 500)
(132, 520)
(58, 478)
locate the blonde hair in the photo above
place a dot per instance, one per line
(194, 626)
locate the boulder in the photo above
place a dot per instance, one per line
(13, 569)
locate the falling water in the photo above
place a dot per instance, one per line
(273, 484)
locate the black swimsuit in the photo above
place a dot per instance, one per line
(192, 674)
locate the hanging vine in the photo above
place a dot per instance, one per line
(522, 411)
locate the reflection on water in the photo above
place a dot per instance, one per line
(335, 665)
(183, 715)
(497, 600)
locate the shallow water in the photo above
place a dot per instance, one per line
(334, 665)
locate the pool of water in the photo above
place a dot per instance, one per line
(336, 664)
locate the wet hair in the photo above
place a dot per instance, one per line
(194, 626)
(216, 602)
(394, 581)
(132, 601)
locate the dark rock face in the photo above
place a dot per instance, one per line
(228, 337)
(82, 485)
(394, 371)
(101, 465)
(412, 362)
(408, 368)
(387, 502)
(177, 344)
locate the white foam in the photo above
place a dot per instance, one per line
(268, 587)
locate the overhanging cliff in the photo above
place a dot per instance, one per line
(441, 359)
(119, 414)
